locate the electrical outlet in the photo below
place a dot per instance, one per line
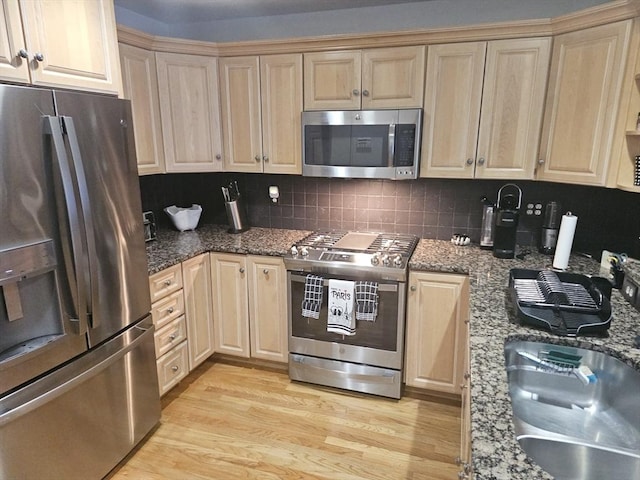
(534, 209)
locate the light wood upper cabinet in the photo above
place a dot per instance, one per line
(261, 107)
(281, 95)
(140, 85)
(70, 43)
(230, 306)
(500, 140)
(196, 275)
(268, 308)
(190, 112)
(13, 67)
(437, 309)
(368, 79)
(582, 103)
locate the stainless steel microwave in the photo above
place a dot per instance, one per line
(362, 143)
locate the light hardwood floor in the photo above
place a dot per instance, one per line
(234, 422)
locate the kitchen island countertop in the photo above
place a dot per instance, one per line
(496, 453)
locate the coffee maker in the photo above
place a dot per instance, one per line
(506, 223)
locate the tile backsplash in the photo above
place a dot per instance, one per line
(429, 208)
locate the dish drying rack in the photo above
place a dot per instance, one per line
(567, 304)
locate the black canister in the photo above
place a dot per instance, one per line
(550, 228)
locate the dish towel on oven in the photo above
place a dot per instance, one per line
(312, 301)
(340, 318)
(366, 301)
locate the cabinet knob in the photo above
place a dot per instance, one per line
(469, 161)
(458, 461)
(467, 375)
(365, 93)
(38, 57)
(463, 386)
(167, 282)
(172, 337)
(218, 156)
(175, 368)
(541, 161)
(356, 92)
(412, 288)
(170, 310)
(23, 53)
(462, 475)
(481, 161)
(241, 269)
(257, 157)
(265, 158)
(265, 271)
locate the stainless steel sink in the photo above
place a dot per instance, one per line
(573, 429)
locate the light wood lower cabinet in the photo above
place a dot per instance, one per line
(182, 315)
(196, 276)
(465, 413)
(437, 312)
(249, 305)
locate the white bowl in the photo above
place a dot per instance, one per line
(184, 218)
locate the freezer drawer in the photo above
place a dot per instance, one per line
(81, 420)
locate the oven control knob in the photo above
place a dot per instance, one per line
(294, 250)
(375, 259)
(304, 251)
(386, 260)
(397, 260)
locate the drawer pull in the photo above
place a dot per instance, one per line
(175, 368)
(167, 282)
(170, 310)
(172, 337)
(265, 271)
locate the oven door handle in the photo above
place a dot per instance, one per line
(382, 287)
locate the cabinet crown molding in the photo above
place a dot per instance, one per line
(598, 15)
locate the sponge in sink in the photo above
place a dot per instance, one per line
(585, 374)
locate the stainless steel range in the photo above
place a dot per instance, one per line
(347, 296)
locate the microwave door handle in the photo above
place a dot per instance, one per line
(75, 261)
(392, 144)
(86, 212)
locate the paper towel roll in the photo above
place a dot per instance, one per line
(565, 241)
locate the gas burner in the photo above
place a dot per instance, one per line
(364, 252)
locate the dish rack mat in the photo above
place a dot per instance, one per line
(547, 290)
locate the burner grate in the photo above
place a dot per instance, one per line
(391, 243)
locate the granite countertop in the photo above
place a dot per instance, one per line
(495, 451)
(172, 247)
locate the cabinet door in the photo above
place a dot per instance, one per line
(13, 67)
(437, 308)
(230, 305)
(268, 308)
(140, 85)
(453, 90)
(190, 112)
(582, 103)
(393, 77)
(332, 80)
(241, 123)
(512, 102)
(196, 275)
(465, 411)
(77, 43)
(281, 88)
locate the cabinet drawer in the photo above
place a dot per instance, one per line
(165, 282)
(173, 367)
(170, 335)
(167, 309)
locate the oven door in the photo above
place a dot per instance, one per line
(378, 343)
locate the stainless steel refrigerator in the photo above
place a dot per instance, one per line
(78, 381)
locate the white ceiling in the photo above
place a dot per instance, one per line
(188, 11)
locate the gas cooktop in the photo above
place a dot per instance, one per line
(363, 252)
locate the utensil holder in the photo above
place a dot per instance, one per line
(237, 216)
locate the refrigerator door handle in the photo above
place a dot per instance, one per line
(86, 212)
(77, 266)
(110, 354)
